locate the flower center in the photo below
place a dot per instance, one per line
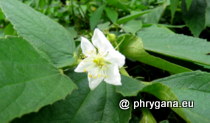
(99, 61)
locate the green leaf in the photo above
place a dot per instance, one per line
(84, 106)
(111, 14)
(45, 34)
(95, 17)
(131, 17)
(72, 31)
(189, 86)
(188, 3)
(2, 17)
(173, 7)
(163, 41)
(154, 15)
(1, 33)
(132, 47)
(104, 26)
(193, 86)
(132, 26)
(208, 13)
(195, 16)
(117, 4)
(132, 87)
(27, 81)
(147, 116)
(9, 30)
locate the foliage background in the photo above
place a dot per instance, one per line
(168, 38)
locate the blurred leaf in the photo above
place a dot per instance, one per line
(95, 17)
(111, 14)
(164, 121)
(2, 17)
(72, 31)
(208, 13)
(27, 81)
(104, 26)
(132, 47)
(161, 91)
(117, 3)
(9, 30)
(163, 41)
(189, 86)
(188, 3)
(1, 33)
(154, 15)
(83, 106)
(130, 86)
(147, 116)
(173, 7)
(204, 66)
(170, 26)
(132, 26)
(131, 17)
(47, 35)
(195, 16)
(192, 86)
(42, 3)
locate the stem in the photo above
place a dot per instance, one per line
(117, 47)
(124, 72)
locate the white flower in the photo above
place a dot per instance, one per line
(102, 61)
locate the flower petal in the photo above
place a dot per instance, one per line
(87, 48)
(113, 75)
(115, 57)
(84, 65)
(94, 82)
(100, 41)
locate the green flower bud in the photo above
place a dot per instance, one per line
(112, 38)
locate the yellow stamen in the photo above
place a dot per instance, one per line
(100, 62)
(90, 75)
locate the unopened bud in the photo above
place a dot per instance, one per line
(112, 38)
